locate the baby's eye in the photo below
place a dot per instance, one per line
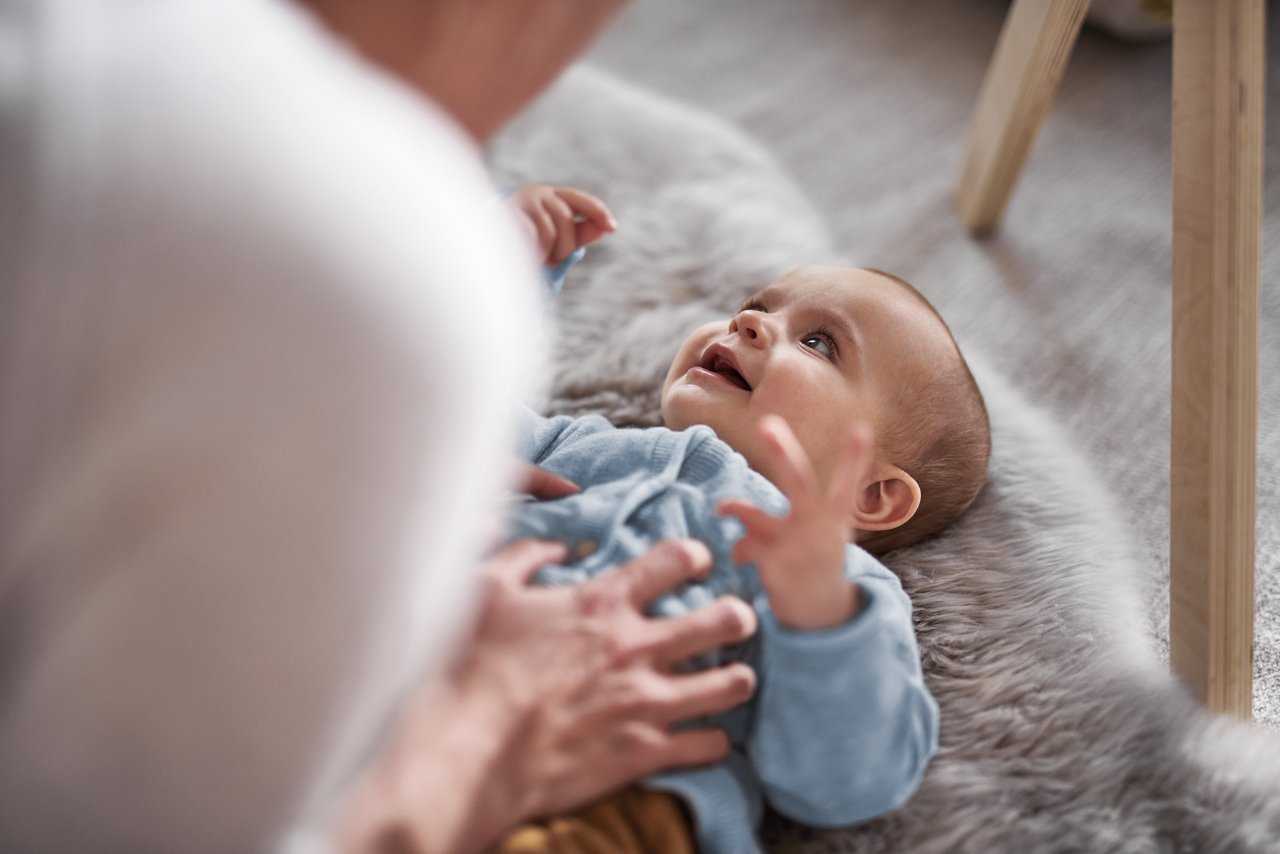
(821, 342)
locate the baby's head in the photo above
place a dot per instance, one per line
(827, 348)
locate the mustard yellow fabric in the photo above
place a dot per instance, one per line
(633, 821)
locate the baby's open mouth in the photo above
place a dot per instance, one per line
(718, 362)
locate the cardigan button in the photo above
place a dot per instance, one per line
(584, 549)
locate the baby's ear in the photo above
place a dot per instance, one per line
(889, 500)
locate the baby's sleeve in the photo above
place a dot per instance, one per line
(844, 725)
(553, 277)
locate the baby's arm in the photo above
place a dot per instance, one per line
(801, 555)
(845, 725)
(561, 219)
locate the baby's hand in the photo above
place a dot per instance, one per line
(561, 219)
(801, 555)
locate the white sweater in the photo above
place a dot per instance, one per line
(257, 333)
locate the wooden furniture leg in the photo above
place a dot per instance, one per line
(1218, 84)
(1021, 80)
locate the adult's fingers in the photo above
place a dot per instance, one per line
(516, 562)
(709, 692)
(668, 564)
(688, 748)
(543, 484)
(724, 622)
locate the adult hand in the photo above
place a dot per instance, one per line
(482, 60)
(542, 484)
(562, 695)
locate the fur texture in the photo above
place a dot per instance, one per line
(1061, 728)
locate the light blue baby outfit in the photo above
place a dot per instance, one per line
(841, 726)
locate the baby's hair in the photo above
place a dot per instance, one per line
(942, 438)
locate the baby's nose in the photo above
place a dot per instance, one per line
(750, 325)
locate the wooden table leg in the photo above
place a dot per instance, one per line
(1218, 84)
(1016, 94)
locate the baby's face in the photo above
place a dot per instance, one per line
(824, 347)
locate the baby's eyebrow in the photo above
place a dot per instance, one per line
(758, 297)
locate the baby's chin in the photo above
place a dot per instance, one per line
(679, 413)
(674, 421)
(682, 417)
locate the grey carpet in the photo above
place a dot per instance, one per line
(1041, 615)
(866, 105)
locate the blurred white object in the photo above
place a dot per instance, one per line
(257, 342)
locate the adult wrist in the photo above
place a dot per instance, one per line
(435, 787)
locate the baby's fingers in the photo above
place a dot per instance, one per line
(750, 515)
(544, 228)
(763, 530)
(792, 471)
(566, 229)
(588, 206)
(588, 231)
(852, 468)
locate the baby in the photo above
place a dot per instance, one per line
(767, 456)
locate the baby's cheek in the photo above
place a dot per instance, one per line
(821, 440)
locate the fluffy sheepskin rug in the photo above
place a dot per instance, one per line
(1061, 728)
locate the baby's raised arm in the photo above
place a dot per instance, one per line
(845, 725)
(801, 555)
